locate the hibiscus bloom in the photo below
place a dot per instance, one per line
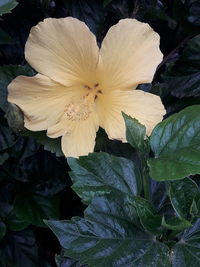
(80, 87)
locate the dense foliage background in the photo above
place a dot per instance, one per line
(34, 179)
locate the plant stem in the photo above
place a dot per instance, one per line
(146, 184)
(145, 176)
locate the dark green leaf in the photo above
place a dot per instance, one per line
(45, 3)
(176, 224)
(106, 2)
(180, 10)
(5, 38)
(181, 194)
(50, 144)
(135, 132)
(159, 194)
(153, 10)
(33, 209)
(14, 223)
(147, 214)
(15, 119)
(19, 249)
(6, 192)
(187, 251)
(194, 12)
(194, 208)
(121, 8)
(7, 74)
(101, 173)
(91, 12)
(2, 229)
(6, 137)
(62, 261)
(108, 237)
(183, 80)
(7, 5)
(3, 157)
(184, 86)
(176, 144)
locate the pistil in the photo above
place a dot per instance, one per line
(81, 109)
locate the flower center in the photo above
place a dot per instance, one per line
(93, 91)
(81, 109)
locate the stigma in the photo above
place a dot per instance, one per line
(93, 91)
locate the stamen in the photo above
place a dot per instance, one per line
(93, 94)
(87, 87)
(78, 111)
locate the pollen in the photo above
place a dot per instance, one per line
(77, 111)
(81, 109)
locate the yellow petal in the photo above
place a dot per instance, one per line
(145, 107)
(129, 55)
(41, 99)
(63, 49)
(58, 129)
(78, 136)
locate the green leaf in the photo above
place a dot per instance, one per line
(182, 193)
(33, 209)
(184, 86)
(45, 3)
(3, 157)
(2, 229)
(149, 218)
(6, 137)
(19, 249)
(194, 208)
(101, 173)
(153, 11)
(50, 144)
(180, 10)
(5, 38)
(6, 192)
(90, 12)
(107, 236)
(176, 144)
(135, 132)
(6, 6)
(62, 261)
(186, 252)
(15, 119)
(183, 80)
(158, 194)
(106, 2)
(14, 223)
(194, 12)
(176, 224)
(7, 74)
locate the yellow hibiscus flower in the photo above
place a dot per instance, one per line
(80, 87)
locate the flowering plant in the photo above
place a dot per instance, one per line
(99, 133)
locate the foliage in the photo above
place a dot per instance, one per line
(7, 5)
(129, 205)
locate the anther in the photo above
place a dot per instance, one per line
(87, 87)
(96, 85)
